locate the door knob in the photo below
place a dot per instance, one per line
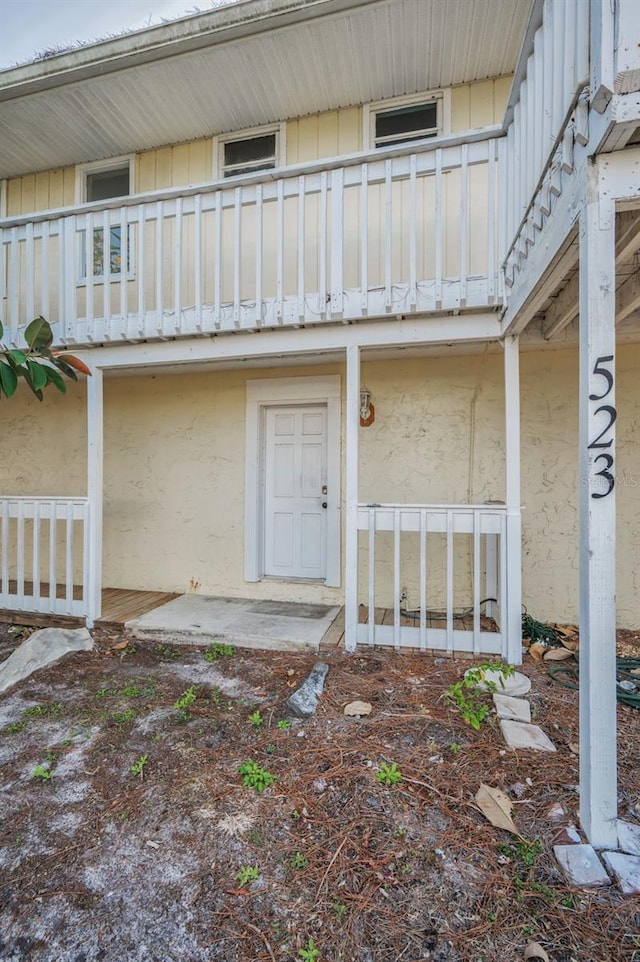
(324, 504)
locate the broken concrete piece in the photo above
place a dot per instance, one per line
(521, 735)
(557, 812)
(357, 708)
(304, 700)
(516, 684)
(629, 837)
(513, 709)
(42, 648)
(581, 865)
(569, 835)
(626, 871)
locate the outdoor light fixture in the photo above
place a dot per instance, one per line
(367, 410)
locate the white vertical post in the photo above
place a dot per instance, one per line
(351, 553)
(511, 606)
(95, 446)
(598, 790)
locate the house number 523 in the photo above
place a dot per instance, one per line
(604, 439)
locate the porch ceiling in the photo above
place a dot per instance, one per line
(243, 65)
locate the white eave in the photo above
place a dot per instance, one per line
(243, 65)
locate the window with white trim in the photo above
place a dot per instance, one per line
(405, 119)
(97, 182)
(250, 151)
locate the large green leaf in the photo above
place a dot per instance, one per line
(17, 357)
(38, 375)
(38, 334)
(54, 378)
(8, 378)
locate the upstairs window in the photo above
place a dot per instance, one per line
(249, 152)
(399, 121)
(99, 182)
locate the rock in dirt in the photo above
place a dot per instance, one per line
(304, 701)
(42, 648)
(357, 708)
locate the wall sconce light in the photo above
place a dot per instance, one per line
(367, 410)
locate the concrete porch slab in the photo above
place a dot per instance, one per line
(246, 623)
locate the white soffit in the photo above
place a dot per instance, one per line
(371, 50)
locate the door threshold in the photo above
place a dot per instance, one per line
(294, 581)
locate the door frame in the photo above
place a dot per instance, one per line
(269, 392)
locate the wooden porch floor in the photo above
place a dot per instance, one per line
(334, 637)
(118, 605)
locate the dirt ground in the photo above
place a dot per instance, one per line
(178, 861)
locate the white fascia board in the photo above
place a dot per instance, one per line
(483, 326)
(244, 18)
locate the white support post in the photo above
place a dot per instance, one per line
(95, 445)
(511, 607)
(598, 770)
(351, 553)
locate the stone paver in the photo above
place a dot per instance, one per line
(629, 837)
(516, 684)
(304, 701)
(513, 709)
(626, 869)
(521, 735)
(581, 865)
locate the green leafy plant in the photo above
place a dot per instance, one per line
(186, 700)
(48, 709)
(167, 653)
(284, 725)
(138, 766)
(216, 649)
(339, 910)
(462, 693)
(247, 875)
(121, 717)
(43, 773)
(299, 861)
(454, 747)
(270, 749)
(524, 852)
(12, 728)
(389, 774)
(256, 719)
(310, 953)
(253, 776)
(38, 365)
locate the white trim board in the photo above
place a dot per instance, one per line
(290, 390)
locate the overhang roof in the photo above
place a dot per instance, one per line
(243, 65)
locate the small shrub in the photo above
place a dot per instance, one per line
(270, 749)
(284, 725)
(310, 953)
(138, 766)
(253, 776)
(473, 710)
(256, 719)
(247, 875)
(389, 774)
(43, 773)
(186, 700)
(216, 649)
(299, 861)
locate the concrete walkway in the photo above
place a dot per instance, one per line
(196, 619)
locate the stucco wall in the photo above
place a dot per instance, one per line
(174, 467)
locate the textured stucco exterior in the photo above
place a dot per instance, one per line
(174, 467)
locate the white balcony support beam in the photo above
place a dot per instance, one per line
(352, 430)
(512, 627)
(598, 774)
(95, 459)
(602, 54)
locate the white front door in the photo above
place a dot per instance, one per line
(295, 494)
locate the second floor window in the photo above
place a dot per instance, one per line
(249, 154)
(416, 117)
(98, 183)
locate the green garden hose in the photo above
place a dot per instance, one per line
(568, 677)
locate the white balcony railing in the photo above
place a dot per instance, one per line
(439, 570)
(43, 555)
(385, 233)
(548, 113)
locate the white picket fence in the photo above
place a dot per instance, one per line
(388, 543)
(44, 554)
